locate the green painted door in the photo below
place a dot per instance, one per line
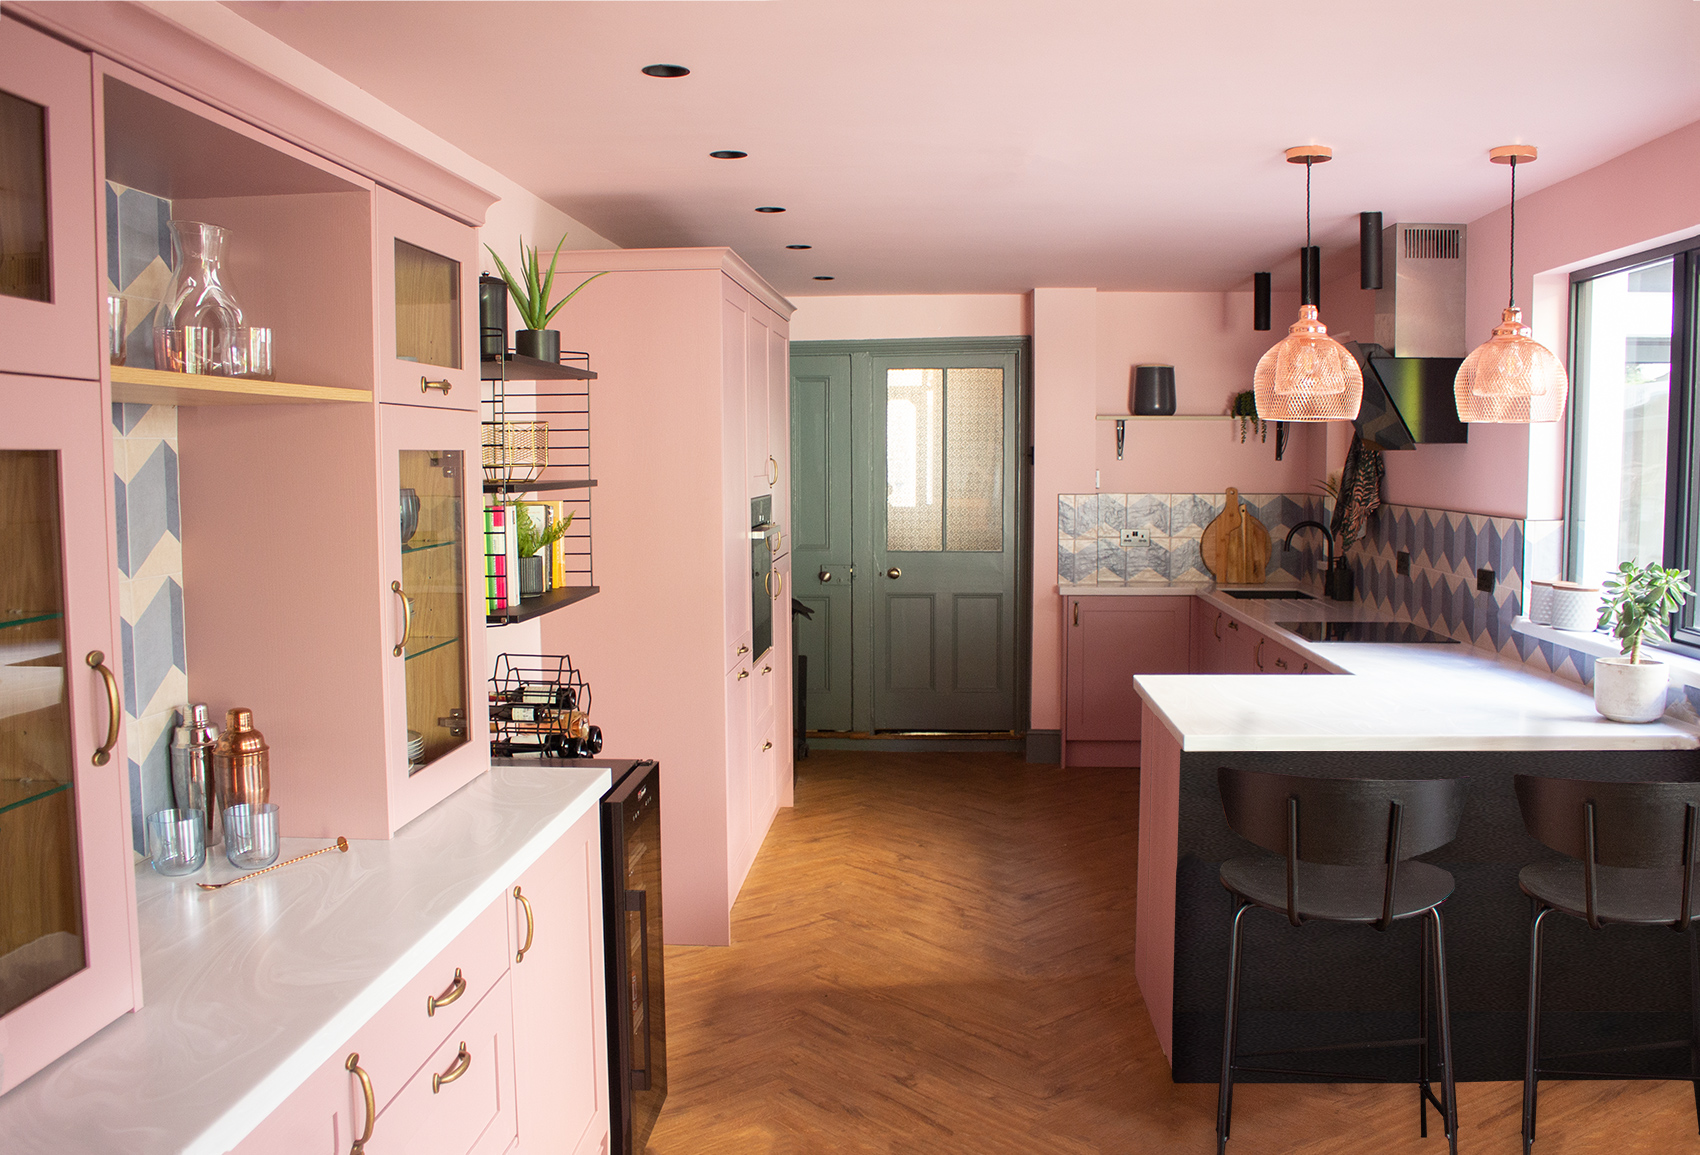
(944, 546)
(822, 560)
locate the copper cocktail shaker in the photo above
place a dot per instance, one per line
(242, 762)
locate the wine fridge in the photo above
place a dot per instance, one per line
(631, 906)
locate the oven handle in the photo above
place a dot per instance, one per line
(638, 900)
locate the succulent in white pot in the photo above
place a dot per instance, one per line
(1639, 601)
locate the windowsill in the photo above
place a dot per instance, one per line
(1684, 670)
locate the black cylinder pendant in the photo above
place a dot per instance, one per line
(1310, 276)
(1260, 301)
(1369, 250)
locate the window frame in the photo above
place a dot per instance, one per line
(1682, 452)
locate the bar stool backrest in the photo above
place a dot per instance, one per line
(1634, 825)
(1341, 821)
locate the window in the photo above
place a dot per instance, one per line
(1633, 446)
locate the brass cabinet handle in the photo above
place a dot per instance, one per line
(767, 669)
(893, 572)
(1218, 627)
(743, 649)
(1280, 663)
(406, 618)
(97, 662)
(445, 385)
(1305, 669)
(1257, 655)
(772, 472)
(742, 674)
(767, 582)
(1077, 613)
(462, 1063)
(776, 543)
(778, 586)
(353, 1064)
(766, 746)
(530, 925)
(456, 989)
(1233, 625)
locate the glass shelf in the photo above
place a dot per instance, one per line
(421, 547)
(15, 793)
(434, 645)
(27, 618)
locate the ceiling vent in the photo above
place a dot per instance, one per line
(1419, 310)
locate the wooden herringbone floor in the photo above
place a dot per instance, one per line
(934, 953)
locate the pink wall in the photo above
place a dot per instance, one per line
(895, 317)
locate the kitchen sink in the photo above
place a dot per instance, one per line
(1270, 595)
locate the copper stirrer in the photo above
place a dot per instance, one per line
(341, 845)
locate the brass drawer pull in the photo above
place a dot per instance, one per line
(97, 662)
(742, 674)
(743, 649)
(1280, 663)
(776, 543)
(425, 383)
(772, 472)
(1257, 655)
(456, 989)
(462, 1063)
(1233, 625)
(767, 669)
(766, 746)
(1218, 627)
(353, 1064)
(530, 925)
(406, 618)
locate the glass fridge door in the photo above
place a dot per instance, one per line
(433, 589)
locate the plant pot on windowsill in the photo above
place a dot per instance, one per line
(1626, 691)
(543, 344)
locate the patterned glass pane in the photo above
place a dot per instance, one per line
(974, 459)
(914, 459)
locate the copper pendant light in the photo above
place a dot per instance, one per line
(1511, 378)
(1308, 376)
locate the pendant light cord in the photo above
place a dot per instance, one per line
(1308, 163)
(1512, 292)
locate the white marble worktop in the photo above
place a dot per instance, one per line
(250, 990)
(1383, 697)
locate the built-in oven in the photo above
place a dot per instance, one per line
(763, 545)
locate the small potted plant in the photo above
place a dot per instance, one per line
(532, 541)
(1243, 408)
(530, 293)
(1639, 600)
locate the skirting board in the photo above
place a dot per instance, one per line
(1044, 746)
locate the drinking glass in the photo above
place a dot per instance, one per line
(177, 841)
(250, 835)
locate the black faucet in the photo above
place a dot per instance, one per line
(1329, 583)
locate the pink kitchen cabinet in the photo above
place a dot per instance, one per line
(560, 1012)
(51, 309)
(427, 305)
(1106, 641)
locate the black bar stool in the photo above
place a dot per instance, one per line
(1346, 846)
(1632, 847)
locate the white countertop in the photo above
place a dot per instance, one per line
(250, 990)
(1385, 696)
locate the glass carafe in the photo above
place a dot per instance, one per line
(198, 326)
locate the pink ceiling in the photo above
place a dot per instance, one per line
(974, 146)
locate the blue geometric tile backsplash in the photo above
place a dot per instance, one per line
(1090, 549)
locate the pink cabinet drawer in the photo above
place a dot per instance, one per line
(395, 1041)
(461, 1102)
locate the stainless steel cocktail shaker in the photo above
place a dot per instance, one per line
(192, 747)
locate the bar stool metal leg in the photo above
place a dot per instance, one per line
(1230, 1033)
(1423, 1090)
(1448, 1087)
(1531, 1057)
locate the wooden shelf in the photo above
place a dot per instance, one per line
(521, 368)
(161, 387)
(537, 486)
(547, 603)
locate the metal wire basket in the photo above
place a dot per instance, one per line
(515, 451)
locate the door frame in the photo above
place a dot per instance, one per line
(862, 402)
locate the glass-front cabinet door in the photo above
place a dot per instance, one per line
(438, 708)
(50, 312)
(67, 949)
(428, 304)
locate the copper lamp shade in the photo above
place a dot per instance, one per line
(1308, 376)
(1511, 379)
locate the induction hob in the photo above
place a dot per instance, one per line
(1366, 632)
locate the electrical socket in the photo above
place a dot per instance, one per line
(1134, 536)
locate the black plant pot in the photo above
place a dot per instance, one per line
(1340, 583)
(531, 576)
(543, 344)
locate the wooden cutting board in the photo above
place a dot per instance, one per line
(1235, 545)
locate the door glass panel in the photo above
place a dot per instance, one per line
(914, 459)
(433, 578)
(973, 438)
(427, 307)
(41, 920)
(23, 199)
(1623, 417)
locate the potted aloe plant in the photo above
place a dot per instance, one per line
(1639, 600)
(531, 292)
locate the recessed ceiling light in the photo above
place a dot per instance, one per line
(825, 278)
(728, 154)
(770, 209)
(799, 246)
(666, 71)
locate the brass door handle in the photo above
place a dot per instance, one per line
(778, 586)
(1218, 627)
(776, 543)
(462, 1063)
(97, 662)
(825, 575)
(1077, 613)
(772, 472)
(767, 584)
(893, 572)
(1257, 654)
(353, 1064)
(425, 383)
(455, 990)
(530, 925)
(406, 618)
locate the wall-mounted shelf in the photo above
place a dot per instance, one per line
(161, 387)
(522, 368)
(1121, 420)
(542, 604)
(537, 486)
